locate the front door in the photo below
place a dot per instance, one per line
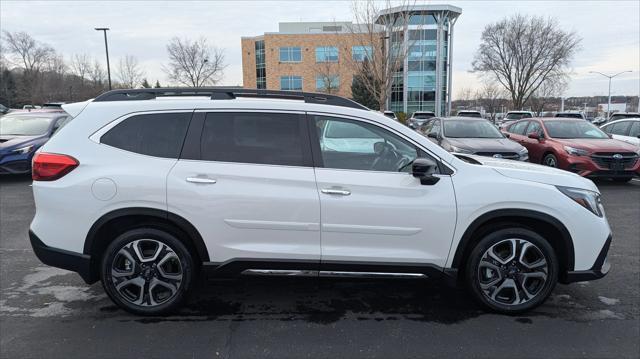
(248, 186)
(373, 210)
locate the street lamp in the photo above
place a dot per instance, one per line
(106, 47)
(609, 77)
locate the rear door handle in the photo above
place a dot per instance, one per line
(341, 192)
(203, 180)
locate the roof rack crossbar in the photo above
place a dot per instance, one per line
(226, 93)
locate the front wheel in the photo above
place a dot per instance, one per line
(147, 271)
(550, 160)
(512, 270)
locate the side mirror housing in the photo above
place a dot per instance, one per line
(534, 136)
(432, 135)
(507, 135)
(424, 169)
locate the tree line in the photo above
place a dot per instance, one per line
(33, 72)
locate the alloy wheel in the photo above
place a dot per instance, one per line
(512, 272)
(146, 272)
(550, 161)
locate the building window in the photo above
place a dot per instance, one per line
(422, 20)
(327, 82)
(360, 53)
(327, 54)
(261, 72)
(291, 83)
(290, 54)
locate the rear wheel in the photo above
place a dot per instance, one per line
(147, 271)
(550, 160)
(512, 270)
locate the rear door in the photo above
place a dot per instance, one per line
(245, 180)
(373, 210)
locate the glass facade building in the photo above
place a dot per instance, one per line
(420, 37)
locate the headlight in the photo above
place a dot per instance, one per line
(575, 151)
(461, 150)
(587, 199)
(23, 150)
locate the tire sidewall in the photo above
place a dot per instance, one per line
(471, 272)
(555, 160)
(176, 245)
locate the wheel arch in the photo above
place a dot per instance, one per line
(547, 226)
(121, 220)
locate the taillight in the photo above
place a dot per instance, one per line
(51, 166)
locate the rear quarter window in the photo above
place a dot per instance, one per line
(158, 135)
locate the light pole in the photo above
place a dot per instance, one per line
(609, 77)
(106, 47)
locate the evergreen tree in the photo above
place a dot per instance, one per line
(359, 92)
(145, 84)
(157, 84)
(8, 89)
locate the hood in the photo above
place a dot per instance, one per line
(598, 145)
(10, 142)
(486, 144)
(536, 173)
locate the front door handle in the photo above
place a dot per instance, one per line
(341, 192)
(203, 180)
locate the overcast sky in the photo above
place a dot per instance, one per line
(610, 31)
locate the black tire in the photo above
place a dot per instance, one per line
(148, 272)
(473, 274)
(622, 179)
(550, 160)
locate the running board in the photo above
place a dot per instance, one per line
(341, 274)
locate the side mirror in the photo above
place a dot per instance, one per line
(507, 135)
(432, 135)
(424, 169)
(534, 135)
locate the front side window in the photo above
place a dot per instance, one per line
(327, 54)
(519, 127)
(355, 145)
(635, 129)
(360, 53)
(157, 134)
(534, 127)
(290, 54)
(291, 83)
(324, 82)
(620, 128)
(261, 138)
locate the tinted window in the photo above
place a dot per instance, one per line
(470, 129)
(635, 129)
(264, 138)
(569, 115)
(573, 129)
(620, 128)
(158, 134)
(519, 127)
(358, 145)
(469, 114)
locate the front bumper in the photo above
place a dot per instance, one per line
(600, 268)
(585, 166)
(60, 258)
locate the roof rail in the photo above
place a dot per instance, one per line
(226, 93)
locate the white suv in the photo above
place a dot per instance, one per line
(146, 189)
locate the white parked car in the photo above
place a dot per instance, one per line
(144, 192)
(627, 130)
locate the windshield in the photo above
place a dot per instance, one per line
(470, 129)
(517, 116)
(573, 129)
(24, 125)
(569, 115)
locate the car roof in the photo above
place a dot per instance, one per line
(634, 119)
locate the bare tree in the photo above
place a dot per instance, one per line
(522, 52)
(194, 63)
(29, 55)
(129, 72)
(491, 97)
(96, 74)
(549, 90)
(329, 73)
(371, 32)
(81, 66)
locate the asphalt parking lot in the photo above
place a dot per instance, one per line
(50, 313)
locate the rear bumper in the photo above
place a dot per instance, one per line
(60, 258)
(15, 167)
(600, 268)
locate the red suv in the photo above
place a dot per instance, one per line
(576, 146)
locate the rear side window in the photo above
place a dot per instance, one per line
(158, 134)
(262, 138)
